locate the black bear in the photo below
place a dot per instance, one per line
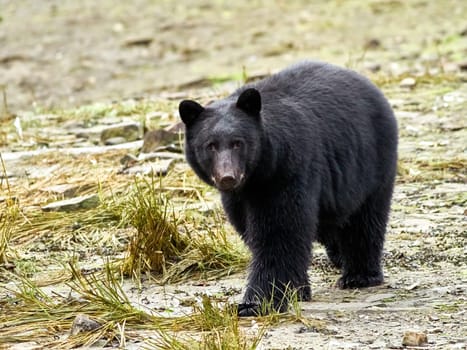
(307, 154)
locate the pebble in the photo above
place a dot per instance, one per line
(408, 83)
(463, 65)
(372, 66)
(128, 160)
(82, 323)
(138, 41)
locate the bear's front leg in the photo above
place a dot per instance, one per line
(280, 242)
(272, 282)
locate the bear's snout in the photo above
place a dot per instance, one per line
(227, 174)
(227, 182)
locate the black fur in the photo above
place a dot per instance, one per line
(317, 162)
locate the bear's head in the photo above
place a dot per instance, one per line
(223, 140)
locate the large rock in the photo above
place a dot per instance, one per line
(128, 131)
(156, 138)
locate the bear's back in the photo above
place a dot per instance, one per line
(325, 97)
(322, 88)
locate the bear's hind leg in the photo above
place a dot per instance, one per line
(327, 236)
(332, 250)
(361, 242)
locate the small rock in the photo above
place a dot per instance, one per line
(156, 138)
(138, 41)
(83, 323)
(118, 140)
(82, 202)
(304, 329)
(128, 160)
(436, 330)
(372, 66)
(462, 65)
(408, 83)
(129, 131)
(118, 27)
(414, 339)
(413, 286)
(372, 44)
(73, 124)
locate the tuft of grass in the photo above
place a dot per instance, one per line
(106, 290)
(157, 239)
(211, 252)
(169, 245)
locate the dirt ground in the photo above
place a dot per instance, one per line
(62, 53)
(66, 54)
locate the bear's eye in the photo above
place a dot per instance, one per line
(236, 144)
(211, 146)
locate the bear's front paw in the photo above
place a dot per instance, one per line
(248, 310)
(358, 281)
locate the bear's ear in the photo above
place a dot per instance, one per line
(189, 111)
(249, 101)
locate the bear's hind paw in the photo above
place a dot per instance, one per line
(359, 281)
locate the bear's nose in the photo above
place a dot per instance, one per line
(227, 182)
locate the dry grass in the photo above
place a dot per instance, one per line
(28, 310)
